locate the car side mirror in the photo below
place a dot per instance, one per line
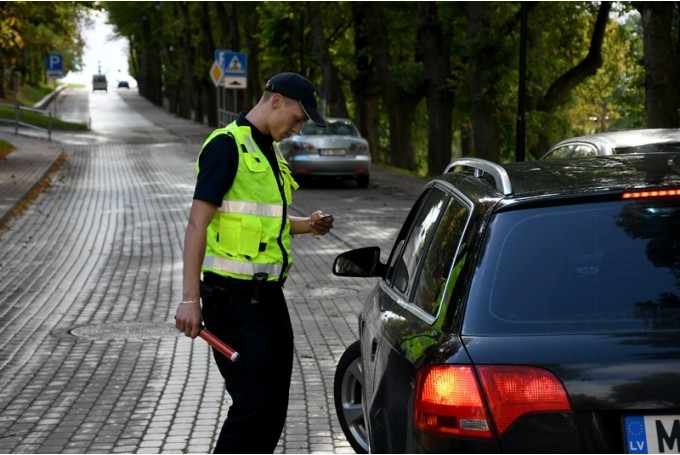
(362, 262)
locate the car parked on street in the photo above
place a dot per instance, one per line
(618, 142)
(526, 308)
(337, 151)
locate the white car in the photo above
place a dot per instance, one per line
(615, 143)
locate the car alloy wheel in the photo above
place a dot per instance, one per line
(347, 387)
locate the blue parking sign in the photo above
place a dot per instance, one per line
(54, 62)
(54, 65)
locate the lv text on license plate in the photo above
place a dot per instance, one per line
(652, 434)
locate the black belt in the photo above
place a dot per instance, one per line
(234, 286)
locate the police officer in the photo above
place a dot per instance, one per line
(239, 237)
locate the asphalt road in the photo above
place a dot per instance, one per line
(90, 361)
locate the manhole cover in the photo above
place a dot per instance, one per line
(125, 331)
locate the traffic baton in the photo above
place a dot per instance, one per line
(218, 344)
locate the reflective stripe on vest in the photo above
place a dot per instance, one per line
(241, 268)
(252, 208)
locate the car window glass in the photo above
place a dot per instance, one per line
(439, 258)
(417, 241)
(593, 268)
(395, 254)
(650, 148)
(310, 129)
(560, 152)
(340, 128)
(583, 150)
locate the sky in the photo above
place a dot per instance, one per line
(103, 53)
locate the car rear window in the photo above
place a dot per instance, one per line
(337, 128)
(651, 148)
(592, 268)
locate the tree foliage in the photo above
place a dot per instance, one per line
(424, 81)
(29, 31)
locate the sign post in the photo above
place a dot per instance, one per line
(235, 73)
(54, 66)
(229, 70)
(216, 74)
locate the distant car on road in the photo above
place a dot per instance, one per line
(123, 84)
(618, 142)
(338, 150)
(99, 82)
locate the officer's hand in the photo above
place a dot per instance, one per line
(188, 318)
(320, 223)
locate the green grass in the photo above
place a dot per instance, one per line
(40, 120)
(29, 95)
(5, 148)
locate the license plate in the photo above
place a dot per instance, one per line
(332, 152)
(652, 434)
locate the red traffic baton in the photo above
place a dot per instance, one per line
(218, 344)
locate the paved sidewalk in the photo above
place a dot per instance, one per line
(89, 275)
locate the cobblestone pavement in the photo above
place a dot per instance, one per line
(90, 361)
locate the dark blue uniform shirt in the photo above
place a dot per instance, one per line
(218, 163)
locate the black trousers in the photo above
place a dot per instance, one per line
(259, 381)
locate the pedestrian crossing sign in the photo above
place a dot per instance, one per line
(233, 63)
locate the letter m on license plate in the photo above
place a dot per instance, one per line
(652, 434)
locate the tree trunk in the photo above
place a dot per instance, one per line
(483, 83)
(208, 97)
(559, 90)
(435, 51)
(256, 82)
(587, 67)
(187, 85)
(401, 106)
(334, 97)
(364, 86)
(3, 93)
(661, 64)
(150, 81)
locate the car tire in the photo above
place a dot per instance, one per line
(347, 388)
(362, 181)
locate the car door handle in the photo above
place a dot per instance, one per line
(374, 348)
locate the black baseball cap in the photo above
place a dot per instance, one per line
(296, 87)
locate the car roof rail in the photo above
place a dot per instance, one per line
(482, 167)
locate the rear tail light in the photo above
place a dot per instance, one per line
(302, 148)
(513, 391)
(450, 401)
(356, 147)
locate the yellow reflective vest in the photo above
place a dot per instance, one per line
(250, 233)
